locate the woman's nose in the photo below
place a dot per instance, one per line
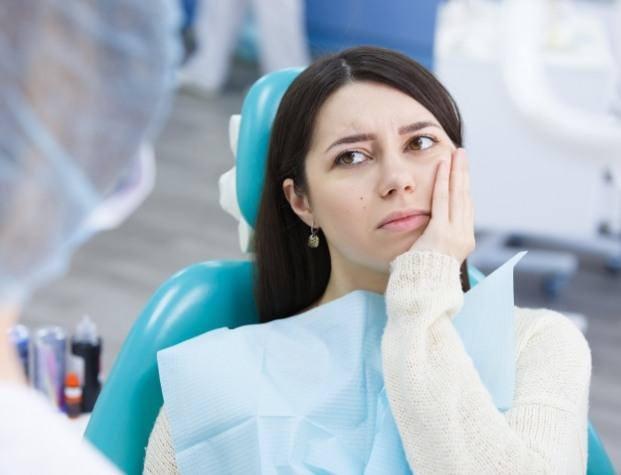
(396, 178)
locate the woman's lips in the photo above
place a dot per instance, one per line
(409, 223)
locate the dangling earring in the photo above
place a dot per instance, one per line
(313, 239)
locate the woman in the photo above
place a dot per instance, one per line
(365, 166)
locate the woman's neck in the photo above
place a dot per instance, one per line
(346, 277)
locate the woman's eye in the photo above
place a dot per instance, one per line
(350, 158)
(422, 142)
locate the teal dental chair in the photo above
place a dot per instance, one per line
(201, 298)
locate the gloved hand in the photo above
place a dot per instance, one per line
(10, 369)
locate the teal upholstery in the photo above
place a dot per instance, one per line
(599, 463)
(201, 298)
(258, 112)
(197, 299)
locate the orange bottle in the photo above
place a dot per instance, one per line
(73, 395)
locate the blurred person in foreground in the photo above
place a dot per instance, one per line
(83, 88)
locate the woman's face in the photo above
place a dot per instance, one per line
(374, 153)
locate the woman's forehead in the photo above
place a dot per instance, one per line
(363, 107)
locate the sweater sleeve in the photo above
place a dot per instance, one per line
(160, 454)
(446, 418)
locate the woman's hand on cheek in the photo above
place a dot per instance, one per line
(451, 227)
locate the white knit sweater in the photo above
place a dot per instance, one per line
(446, 418)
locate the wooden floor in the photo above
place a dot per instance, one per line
(182, 223)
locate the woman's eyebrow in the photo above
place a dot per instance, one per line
(406, 129)
(416, 126)
(352, 139)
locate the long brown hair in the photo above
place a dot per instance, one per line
(290, 276)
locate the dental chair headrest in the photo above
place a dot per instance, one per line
(258, 112)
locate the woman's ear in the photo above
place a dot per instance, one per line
(298, 202)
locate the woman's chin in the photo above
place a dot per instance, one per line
(405, 244)
(395, 251)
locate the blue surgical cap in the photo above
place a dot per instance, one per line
(83, 85)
